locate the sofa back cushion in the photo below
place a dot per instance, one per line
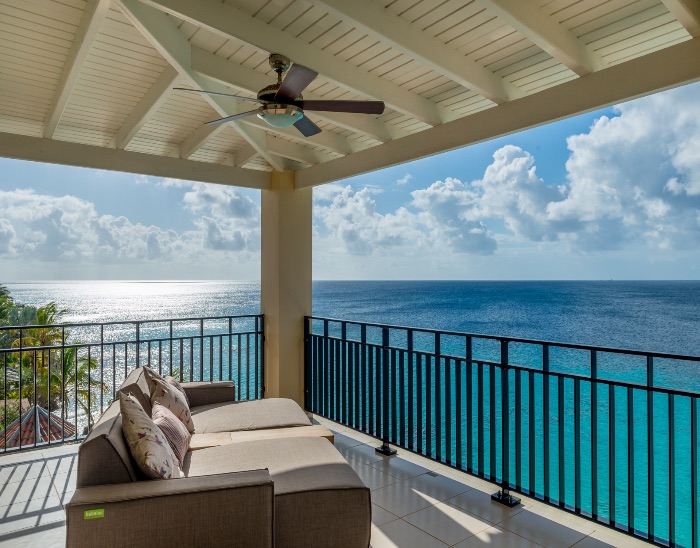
(136, 385)
(104, 456)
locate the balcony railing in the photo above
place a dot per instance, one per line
(56, 380)
(608, 434)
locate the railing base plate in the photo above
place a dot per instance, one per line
(505, 498)
(385, 450)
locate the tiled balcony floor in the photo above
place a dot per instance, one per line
(416, 503)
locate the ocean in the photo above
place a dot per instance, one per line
(661, 316)
(658, 316)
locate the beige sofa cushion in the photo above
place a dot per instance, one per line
(202, 441)
(319, 499)
(104, 456)
(248, 415)
(136, 385)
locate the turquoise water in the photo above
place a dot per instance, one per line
(652, 316)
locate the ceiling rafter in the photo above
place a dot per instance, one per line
(246, 79)
(89, 26)
(22, 147)
(244, 155)
(687, 12)
(151, 102)
(164, 35)
(303, 155)
(198, 138)
(664, 69)
(230, 22)
(532, 22)
(413, 42)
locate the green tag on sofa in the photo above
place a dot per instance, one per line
(93, 514)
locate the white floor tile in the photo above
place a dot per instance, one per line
(495, 537)
(399, 468)
(372, 478)
(551, 530)
(401, 499)
(381, 516)
(438, 488)
(447, 523)
(477, 502)
(399, 534)
(363, 453)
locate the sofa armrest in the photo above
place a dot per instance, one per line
(233, 509)
(206, 393)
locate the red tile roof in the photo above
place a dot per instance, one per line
(23, 431)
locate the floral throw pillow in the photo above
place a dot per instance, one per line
(147, 443)
(175, 432)
(173, 381)
(168, 396)
(151, 376)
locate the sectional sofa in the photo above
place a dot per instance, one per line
(257, 473)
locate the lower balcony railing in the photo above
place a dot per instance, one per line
(608, 434)
(56, 380)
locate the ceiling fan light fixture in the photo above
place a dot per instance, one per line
(280, 116)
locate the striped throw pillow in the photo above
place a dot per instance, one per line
(175, 432)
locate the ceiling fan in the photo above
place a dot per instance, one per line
(282, 103)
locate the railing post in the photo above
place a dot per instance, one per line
(263, 386)
(307, 365)
(138, 346)
(385, 449)
(503, 496)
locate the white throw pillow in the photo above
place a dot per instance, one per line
(168, 396)
(147, 443)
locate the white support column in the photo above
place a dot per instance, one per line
(285, 283)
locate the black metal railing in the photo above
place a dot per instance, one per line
(56, 380)
(605, 433)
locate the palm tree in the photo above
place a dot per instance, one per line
(53, 376)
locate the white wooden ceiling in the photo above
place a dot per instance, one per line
(90, 82)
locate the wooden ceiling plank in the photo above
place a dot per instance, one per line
(402, 36)
(670, 67)
(151, 102)
(541, 29)
(229, 21)
(198, 139)
(688, 14)
(164, 35)
(89, 26)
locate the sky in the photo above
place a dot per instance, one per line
(613, 194)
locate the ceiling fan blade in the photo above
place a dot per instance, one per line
(231, 118)
(223, 95)
(306, 127)
(296, 80)
(362, 107)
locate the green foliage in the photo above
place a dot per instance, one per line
(51, 370)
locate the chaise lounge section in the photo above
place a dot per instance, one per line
(258, 473)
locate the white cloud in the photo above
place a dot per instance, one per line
(404, 180)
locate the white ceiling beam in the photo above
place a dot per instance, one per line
(230, 22)
(37, 149)
(89, 26)
(151, 102)
(161, 31)
(670, 67)
(246, 79)
(244, 155)
(198, 139)
(303, 155)
(531, 21)
(372, 18)
(687, 12)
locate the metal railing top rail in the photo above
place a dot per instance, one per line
(662, 355)
(126, 341)
(128, 322)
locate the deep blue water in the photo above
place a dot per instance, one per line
(660, 316)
